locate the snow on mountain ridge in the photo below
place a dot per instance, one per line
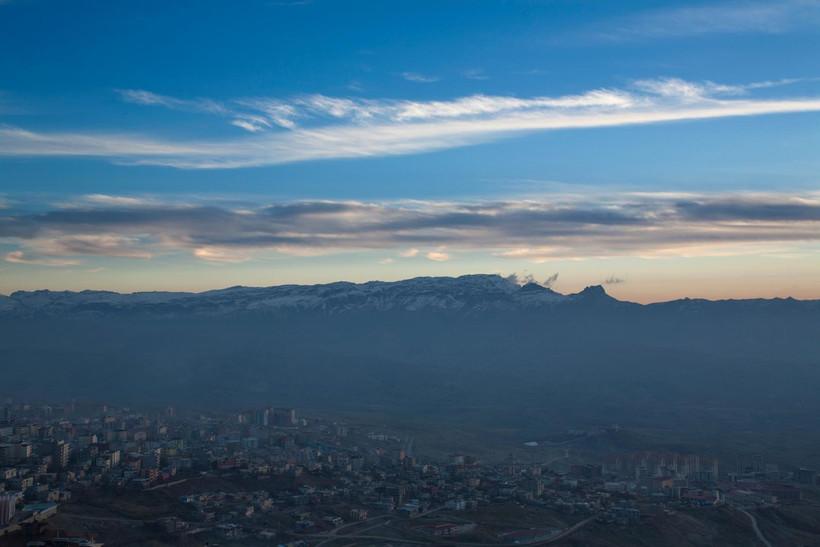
(481, 291)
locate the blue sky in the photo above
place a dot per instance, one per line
(667, 148)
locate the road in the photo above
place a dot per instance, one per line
(330, 536)
(569, 531)
(166, 485)
(334, 534)
(755, 527)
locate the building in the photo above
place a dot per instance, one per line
(805, 476)
(284, 417)
(61, 454)
(262, 417)
(152, 459)
(11, 453)
(8, 506)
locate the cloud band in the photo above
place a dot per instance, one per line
(317, 127)
(558, 226)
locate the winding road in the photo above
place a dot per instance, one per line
(756, 528)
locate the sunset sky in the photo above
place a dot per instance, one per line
(662, 149)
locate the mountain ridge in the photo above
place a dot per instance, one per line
(467, 293)
(479, 347)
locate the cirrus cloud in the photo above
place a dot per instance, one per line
(318, 127)
(726, 17)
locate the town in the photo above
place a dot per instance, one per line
(91, 475)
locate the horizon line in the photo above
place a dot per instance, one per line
(520, 282)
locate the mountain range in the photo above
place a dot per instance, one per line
(481, 350)
(467, 294)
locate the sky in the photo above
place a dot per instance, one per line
(663, 149)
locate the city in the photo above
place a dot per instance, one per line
(391, 273)
(91, 475)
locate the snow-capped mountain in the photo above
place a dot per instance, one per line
(479, 341)
(465, 293)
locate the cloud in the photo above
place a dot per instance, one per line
(355, 85)
(612, 280)
(699, 91)
(124, 201)
(739, 210)
(140, 96)
(335, 127)
(41, 249)
(418, 78)
(254, 125)
(265, 113)
(93, 244)
(558, 226)
(220, 254)
(528, 278)
(733, 17)
(550, 281)
(475, 74)
(19, 257)
(438, 256)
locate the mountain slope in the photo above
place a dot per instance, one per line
(466, 293)
(477, 348)
(469, 293)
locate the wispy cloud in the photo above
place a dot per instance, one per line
(732, 17)
(418, 77)
(355, 85)
(128, 246)
(19, 257)
(139, 96)
(526, 278)
(315, 127)
(537, 230)
(223, 254)
(475, 74)
(253, 124)
(123, 201)
(699, 91)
